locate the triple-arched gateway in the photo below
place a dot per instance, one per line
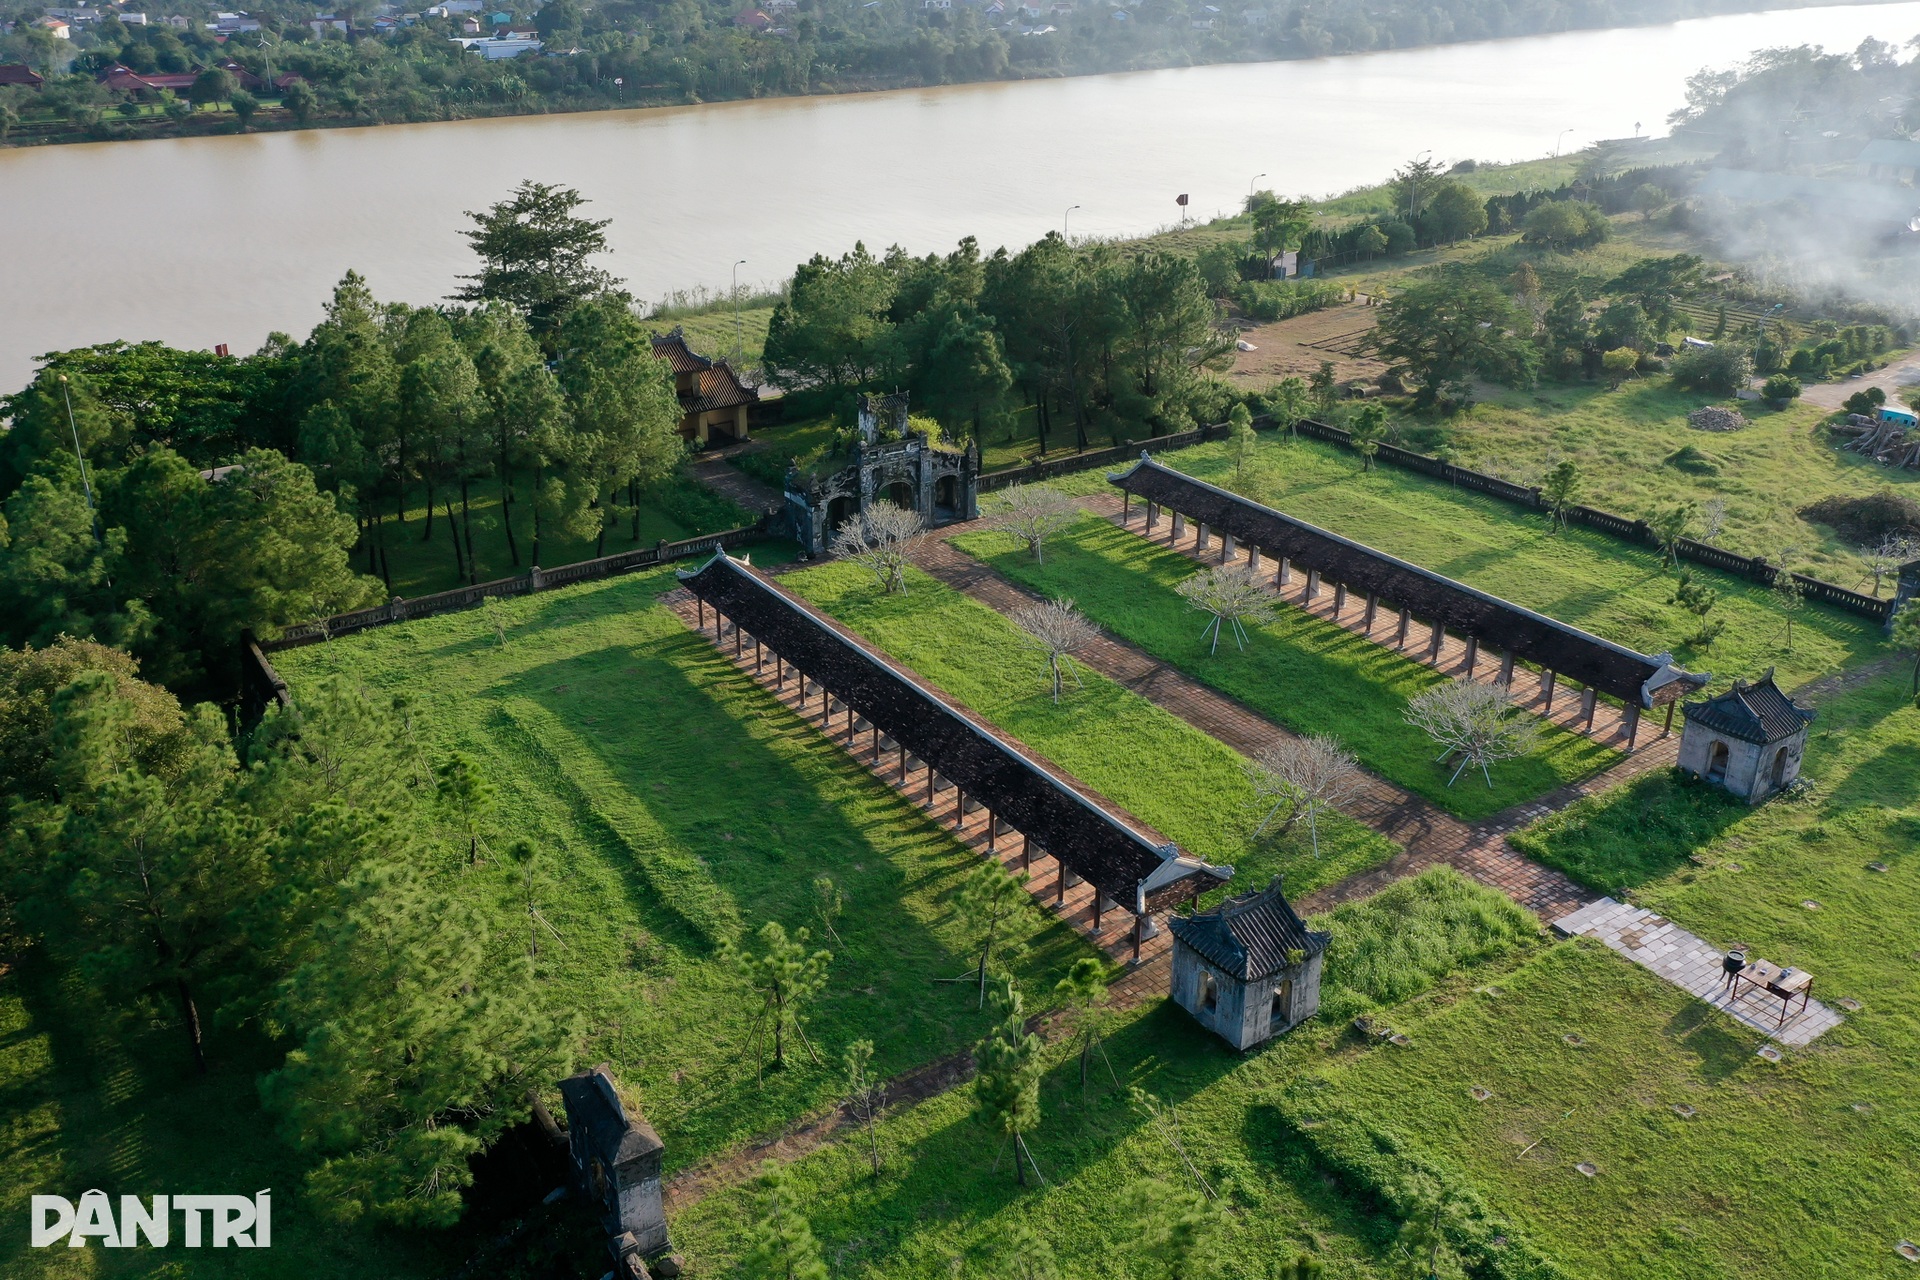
(1638, 680)
(1092, 840)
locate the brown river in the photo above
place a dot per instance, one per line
(209, 240)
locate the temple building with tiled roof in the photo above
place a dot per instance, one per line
(1749, 739)
(714, 401)
(1248, 969)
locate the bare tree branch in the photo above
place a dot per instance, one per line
(882, 540)
(1477, 722)
(1057, 629)
(1306, 777)
(1033, 513)
(1237, 597)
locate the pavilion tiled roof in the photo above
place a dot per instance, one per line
(1121, 858)
(1467, 611)
(1758, 713)
(719, 388)
(1252, 936)
(672, 347)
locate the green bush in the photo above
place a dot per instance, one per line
(1719, 370)
(1781, 390)
(1283, 299)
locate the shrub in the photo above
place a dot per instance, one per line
(1866, 520)
(1781, 390)
(1865, 402)
(1718, 370)
(1283, 299)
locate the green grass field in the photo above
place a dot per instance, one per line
(1302, 671)
(1158, 767)
(1800, 1168)
(940, 1207)
(1579, 576)
(675, 800)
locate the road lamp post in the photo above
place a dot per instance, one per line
(1250, 181)
(1063, 220)
(735, 291)
(1556, 142)
(79, 456)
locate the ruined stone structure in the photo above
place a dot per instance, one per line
(1749, 740)
(1249, 969)
(616, 1159)
(941, 484)
(1908, 589)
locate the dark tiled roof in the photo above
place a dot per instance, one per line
(719, 388)
(1251, 936)
(1751, 712)
(1467, 611)
(1126, 861)
(672, 347)
(19, 73)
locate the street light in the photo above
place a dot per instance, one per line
(78, 456)
(1063, 220)
(619, 83)
(736, 310)
(1556, 142)
(1250, 181)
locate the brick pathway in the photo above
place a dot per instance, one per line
(751, 495)
(1427, 834)
(1690, 963)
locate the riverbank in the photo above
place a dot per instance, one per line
(1083, 43)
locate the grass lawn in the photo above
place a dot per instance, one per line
(1579, 576)
(1801, 1168)
(1150, 762)
(717, 334)
(676, 508)
(673, 798)
(1302, 671)
(940, 1207)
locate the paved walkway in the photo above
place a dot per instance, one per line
(1690, 963)
(750, 494)
(1896, 380)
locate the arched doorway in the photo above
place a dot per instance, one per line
(839, 511)
(1209, 992)
(900, 494)
(1717, 762)
(1282, 1011)
(1779, 768)
(946, 496)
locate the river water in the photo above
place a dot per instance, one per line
(207, 240)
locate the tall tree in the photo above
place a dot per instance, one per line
(417, 1044)
(1084, 992)
(57, 573)
(524, 404)
(1443, 334)
(787, 976)
(988, 903)
(1176, 1230)
(1006, 1090)
(536, 254)
(1561, 489)
(833, 327)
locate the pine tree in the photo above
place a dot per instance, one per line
(1176, 1230)
(1007, 1089)
(780, 1245)
(1025, 1255)
(988, 900)
(787, 977)
(466, 797)
(416, 1044)
(1084, 991)
(866, 1094)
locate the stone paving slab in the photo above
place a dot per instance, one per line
(1692, 964)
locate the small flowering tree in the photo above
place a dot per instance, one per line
(1058, 630)
(1305, 777)
(1034, 513)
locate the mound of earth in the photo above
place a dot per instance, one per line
(1865, 521)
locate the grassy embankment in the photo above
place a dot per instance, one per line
(1189, 786)
(1799, 1168)
(939, 1205)
(676, 803)
(1302, 671)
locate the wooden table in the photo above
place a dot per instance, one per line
(1775, 981)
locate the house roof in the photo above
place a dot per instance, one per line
(1124, 859)
(20, 73)
(1898, 153)
(1757, 713)
(672, 347)
(1250, 937)
(715, 384)
(1612, 668)
(593, 1104)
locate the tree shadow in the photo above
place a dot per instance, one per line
(1890, 778)
(1719, 1050)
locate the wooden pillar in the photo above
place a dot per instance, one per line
(1439, 639)
(1548, 679)
(1096, 911)
(700, 612)
(1313, 584)
(993, 831)
(1253, 559)
(929, 784)
(1138, 931)
(779, 673)
(759, 655)
(876, 743)
(1506, 668)
(1667, 728)
(1473, 654)
(850, 723)
(1126, 505)
(1339, 599)
(903, 764)
(1406, 621)
(1373, 607)
(1589, 703)
(1059, 881)
(1633, 724)
(736, 640)
(1026, 853)
(959, 809)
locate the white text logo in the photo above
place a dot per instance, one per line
(244, 1222)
